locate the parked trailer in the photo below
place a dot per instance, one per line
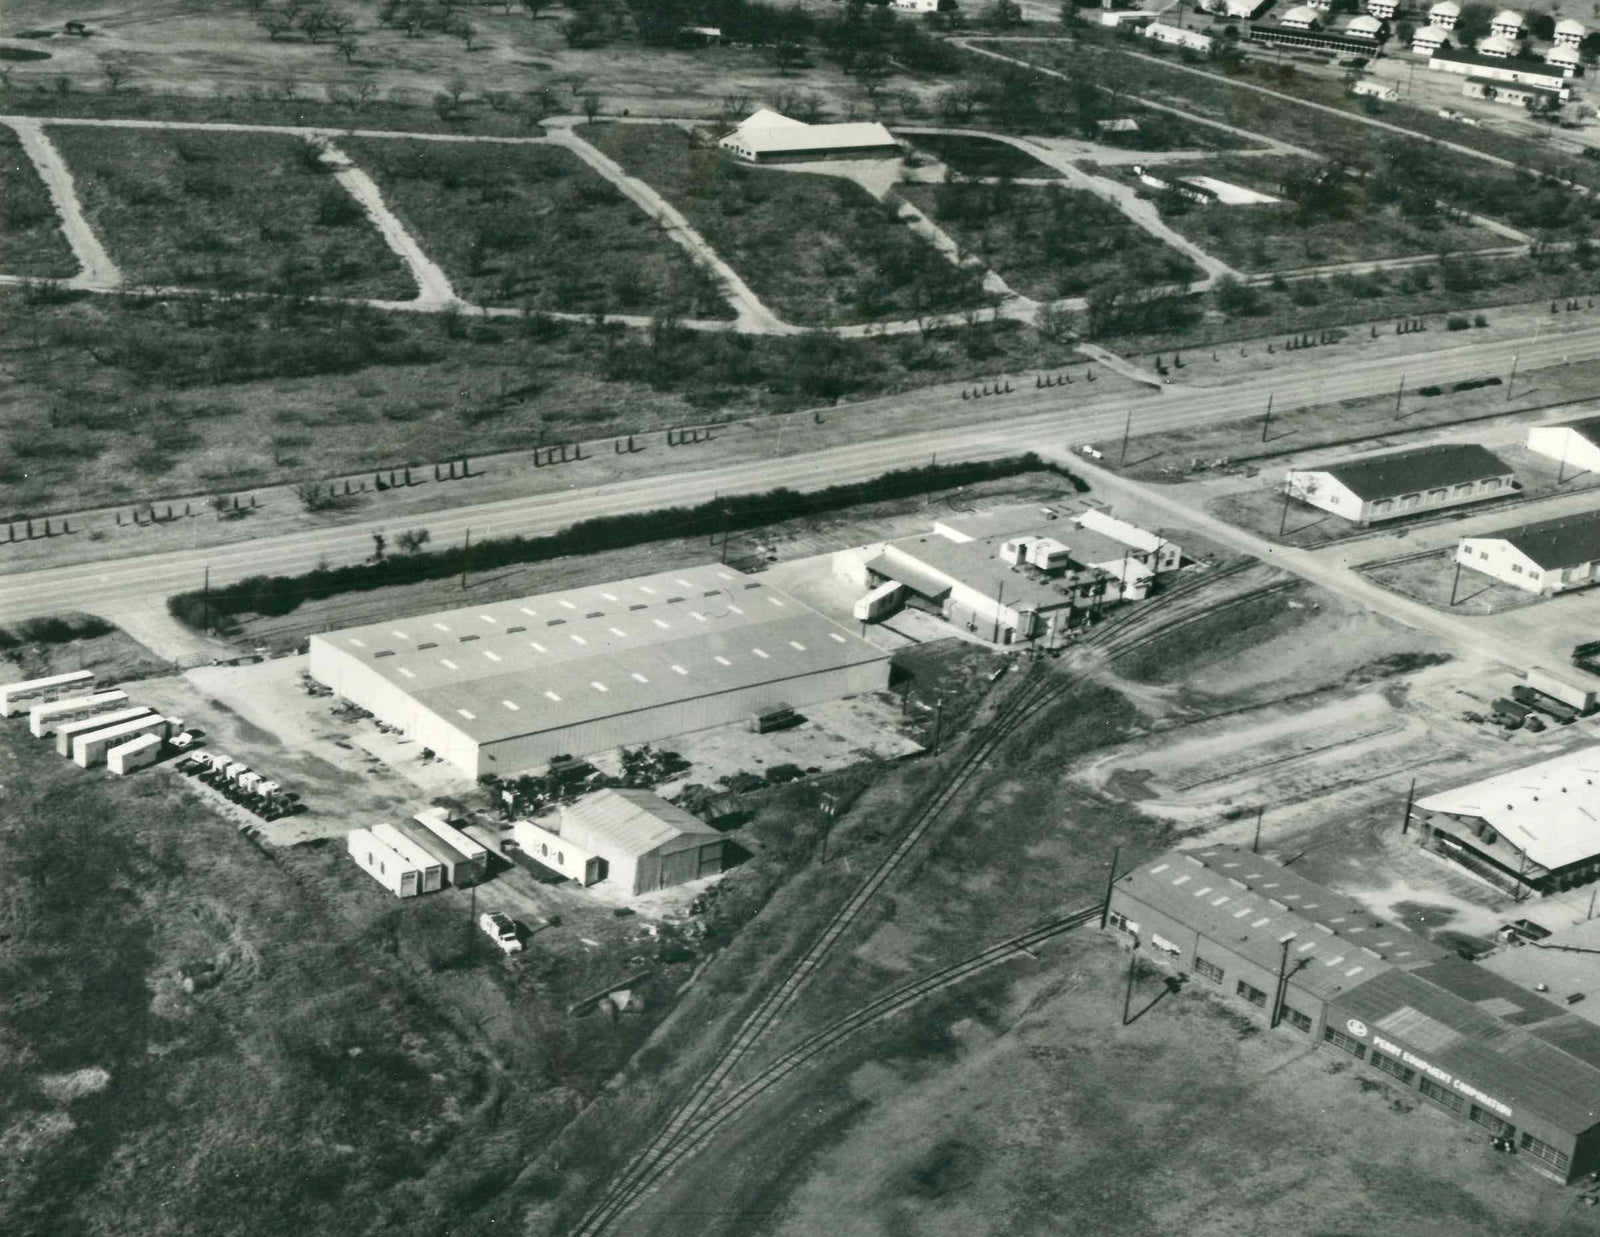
(1560, 710)
(880, 602)
(471, 864)
(90, 749)
(44, 718)
(388, 868)
(429, 869)
(429, 845)
(65, 735)
(124, 759)
(15, 697)
(1566, 691)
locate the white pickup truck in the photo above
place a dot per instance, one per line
(502, 930)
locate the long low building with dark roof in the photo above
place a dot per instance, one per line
(1474, 1044)
(506, 686)
(1371, 488)
(1550, 556)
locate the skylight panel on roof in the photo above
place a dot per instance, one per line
(468, 639)
(836, 637)
(1182, 880)
(776, 601)
(489, 618)
(528, 612)
(441, 627)
(639, 678)
(598, 685)
(676, 669)
(1160, 867)
(1241, 912)
(797, 646)
(1354, 971)
(697, 616)
(1200, 893)
(645, 588)
(552, 696)
(512, 705)
(491, 656)
(682, 581)
(1256, 923)
(619, 633)
(537, 647)
(1308, 945)
(471, 717)
(734, 608)
(608, 596)
(664, 626)
(448, 664)
(567, 604)
(395, 631)
(723, 575)
(577, 639)
(1219, 901)
(761, 653)
(721, 661)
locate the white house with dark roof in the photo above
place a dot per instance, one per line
(1576, 444)
(1383, 10)
(1367, 26)
(1401, 483)
(1551, 556)
(1566, 58)
(1178, 36)
(1445, 14)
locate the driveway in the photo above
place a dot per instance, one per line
(96, 270)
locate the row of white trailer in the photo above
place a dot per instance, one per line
(102, 727)
(420, 855)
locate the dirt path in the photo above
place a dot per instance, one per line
(433, 285)
(753, 313)
(96, 270)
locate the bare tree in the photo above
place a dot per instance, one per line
(347, 47)
(591, 106)
(455, 88)
(574, 82)
(413, 539)
(364, 92)
(535, 7)
(275, 22)
(115, 75)
(466, 32)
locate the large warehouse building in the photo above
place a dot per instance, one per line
(507, 686)
(1472, 1043)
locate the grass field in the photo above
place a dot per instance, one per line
(31, 241)
(982, 156)
(1282, 236)
(117, 397)
(228, 211)
(819, 250)
(1049, 242)
(534, 226)
(1432, 581)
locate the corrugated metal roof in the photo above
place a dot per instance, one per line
(701, 633)
(1404, 472)
(765, 136)
(1249, 904)
(1546, 1059)
(631, 822)
(1549, 810)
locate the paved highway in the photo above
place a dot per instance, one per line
(1024, 419)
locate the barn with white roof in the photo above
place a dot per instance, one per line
(769, 137)
(506, 686)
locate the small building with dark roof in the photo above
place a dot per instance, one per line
(1312, 38)
(1551, 556)
(1400, 483)
(1576, 444)
(1476, 1045)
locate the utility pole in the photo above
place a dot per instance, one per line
(1411, 795)
(472, 920)
(1280, 992)
(205, 603)
(1111, 880)
(726, 518)
(1255, 845)
(1267, 420)
(828, 806)
(938, 724)
(1456, 583)
(1127, 997)
(1561, 473)
(1399, 395)
(1512, 381)
(1127, 429)
(466, 554)
(999, 603)
(1596, 890)
(1284, 522)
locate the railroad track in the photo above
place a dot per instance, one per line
(692, 1123)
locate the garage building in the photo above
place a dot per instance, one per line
(1550, 556)
(632, 838)
(1475, 1045)
(1399, 483)
(1532, 828)
(507, 686)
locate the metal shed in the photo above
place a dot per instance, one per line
(647, 843)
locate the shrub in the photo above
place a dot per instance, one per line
(1479, 320)
(1457, 322)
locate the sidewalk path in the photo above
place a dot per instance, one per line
(96, 270)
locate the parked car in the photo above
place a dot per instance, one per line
(502, 930)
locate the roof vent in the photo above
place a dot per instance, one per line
(429, 645)
(511, 631)
(595, 614)
(1575, 998)
(1541, 987)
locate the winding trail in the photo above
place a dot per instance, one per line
(96, 270)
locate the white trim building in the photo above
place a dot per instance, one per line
(1570, 33)
(1302, 17)
(768, 137)
(1507, 24)
(1499, 67)
(1552, 556)
(507, 686)
(1429, 39)
(1445, 14)
(1384, 487)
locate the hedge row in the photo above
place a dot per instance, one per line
(276, 595)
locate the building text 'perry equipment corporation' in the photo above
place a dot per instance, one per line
(1439, 1075)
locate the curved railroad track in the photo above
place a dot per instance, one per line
(692, 1123)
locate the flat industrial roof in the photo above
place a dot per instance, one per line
(556, 660)
(1485, 1030)
(1550, 810)
(1249, 903)
(978, 565)
(1567, 963)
